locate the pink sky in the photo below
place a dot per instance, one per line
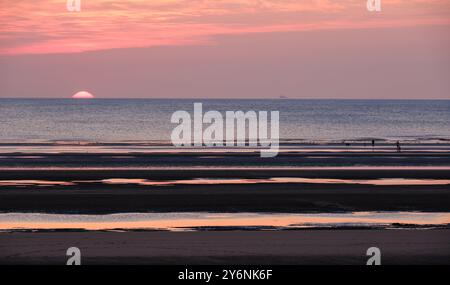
(45, 26)
(225, 48)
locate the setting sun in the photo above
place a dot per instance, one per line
(83, 95)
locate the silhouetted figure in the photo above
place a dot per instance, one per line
(373, 143)
(399, 149)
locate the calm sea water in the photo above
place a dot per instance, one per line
(149, 119)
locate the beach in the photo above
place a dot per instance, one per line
(314, 204)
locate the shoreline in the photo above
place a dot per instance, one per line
(149, 158)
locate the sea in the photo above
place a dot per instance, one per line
(116, 120)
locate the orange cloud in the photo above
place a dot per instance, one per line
(45, 26)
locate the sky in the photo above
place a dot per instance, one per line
(225, 49)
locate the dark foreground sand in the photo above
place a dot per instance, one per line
(229, 247)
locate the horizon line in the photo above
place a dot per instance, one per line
(223, 98)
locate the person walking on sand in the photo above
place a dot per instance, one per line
(399, 149)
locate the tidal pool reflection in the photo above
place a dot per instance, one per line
(238, 181)
(277, 180)
(191, 221)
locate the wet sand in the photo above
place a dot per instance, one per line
(229, 247)
(87, 173)
(91, 197)
(187, 158)
(251, 198)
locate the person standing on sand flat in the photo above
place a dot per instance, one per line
(399, 149)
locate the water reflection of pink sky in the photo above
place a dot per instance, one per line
(238, 181)
(277, 180)
(178, 221)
